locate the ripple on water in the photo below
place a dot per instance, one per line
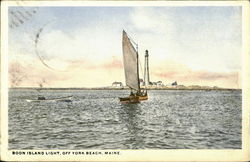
(96, 120)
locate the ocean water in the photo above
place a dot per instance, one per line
(170, 119)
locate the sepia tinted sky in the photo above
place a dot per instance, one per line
(82, 45)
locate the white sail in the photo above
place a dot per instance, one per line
(130, 61)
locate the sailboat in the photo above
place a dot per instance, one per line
(131, 68)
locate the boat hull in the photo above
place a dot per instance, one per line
(133, 99)
(143, 97)
(130, 99)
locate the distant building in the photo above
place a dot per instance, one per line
(159, 84)
(142, 83)
(156, 84)
(153, 83)
(174, 83)
(117, 85)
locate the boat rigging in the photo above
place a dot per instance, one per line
(131, 68)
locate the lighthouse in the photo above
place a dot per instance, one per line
(146, 71)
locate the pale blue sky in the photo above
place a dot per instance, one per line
(200, 37)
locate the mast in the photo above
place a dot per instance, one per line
(137, 57)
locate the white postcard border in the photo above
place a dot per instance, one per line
(131, 155)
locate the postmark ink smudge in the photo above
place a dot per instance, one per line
(20, 14)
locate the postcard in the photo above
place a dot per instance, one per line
(125, 81)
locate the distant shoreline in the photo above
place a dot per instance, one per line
(111, 88)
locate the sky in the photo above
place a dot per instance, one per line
(83, 45)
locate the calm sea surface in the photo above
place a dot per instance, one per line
(170, 119)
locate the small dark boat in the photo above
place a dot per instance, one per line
(43, 99)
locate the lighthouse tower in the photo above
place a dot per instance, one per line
(146, 71)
